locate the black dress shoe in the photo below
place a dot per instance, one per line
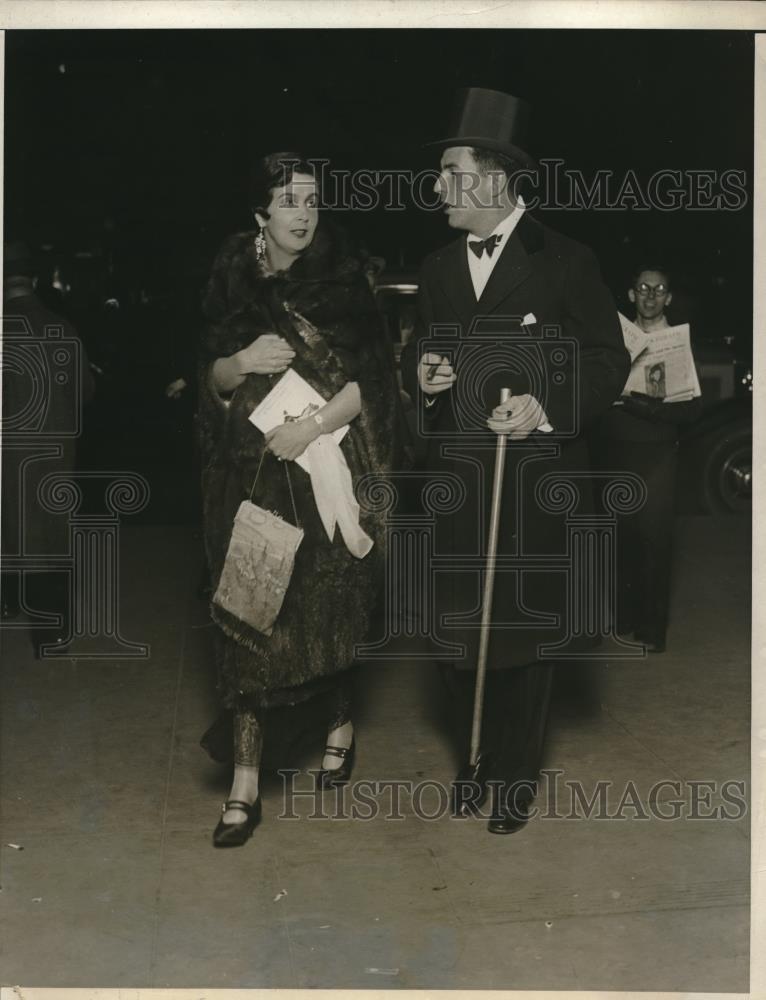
(330, 777)
(509, 819)
(235, 834)
(469, 789)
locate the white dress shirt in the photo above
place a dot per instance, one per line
(481, 267)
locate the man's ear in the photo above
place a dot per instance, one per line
(669, 298)
(632, 295)
(501, 183)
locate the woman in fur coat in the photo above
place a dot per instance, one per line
(296, 267)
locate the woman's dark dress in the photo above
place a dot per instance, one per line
(331, 595)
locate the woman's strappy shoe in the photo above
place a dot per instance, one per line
(338, 775)
(235, 834)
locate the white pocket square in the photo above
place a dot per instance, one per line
(529, 320)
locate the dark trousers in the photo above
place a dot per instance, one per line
(516, 703)
(645, 542)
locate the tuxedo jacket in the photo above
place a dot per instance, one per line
(541, 274)
(545, 324)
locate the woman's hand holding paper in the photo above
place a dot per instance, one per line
(290, 440)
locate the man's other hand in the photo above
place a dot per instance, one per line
(435, 374)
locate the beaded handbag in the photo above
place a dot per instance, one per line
(259, 563)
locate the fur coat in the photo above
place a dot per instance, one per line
(331, 595)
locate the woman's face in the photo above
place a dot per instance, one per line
(293, 216)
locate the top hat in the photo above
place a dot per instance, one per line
(489, 119)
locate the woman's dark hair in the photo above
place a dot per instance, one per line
(275, 171)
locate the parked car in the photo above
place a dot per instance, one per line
(716, 458)
(716, 451)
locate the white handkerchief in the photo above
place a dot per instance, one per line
(334, 494)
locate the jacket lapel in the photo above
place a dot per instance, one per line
(456, 282)
(515, 264)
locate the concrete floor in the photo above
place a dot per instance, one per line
(105, 788)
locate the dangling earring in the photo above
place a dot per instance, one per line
(260, 246)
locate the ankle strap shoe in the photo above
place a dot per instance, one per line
(236, 834)
(338, 775)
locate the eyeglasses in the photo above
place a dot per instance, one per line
(644, 289)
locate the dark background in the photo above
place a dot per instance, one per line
(127, 153)
(153, 130)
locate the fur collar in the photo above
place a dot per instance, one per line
(237, 278)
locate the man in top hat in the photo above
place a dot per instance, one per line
(512, 304)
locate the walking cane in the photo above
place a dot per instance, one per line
(468, 791)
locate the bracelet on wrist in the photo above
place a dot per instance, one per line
(313, 424)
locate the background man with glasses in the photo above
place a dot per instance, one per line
(650, 293)
(640, 435)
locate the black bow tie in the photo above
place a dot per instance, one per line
(479, 246)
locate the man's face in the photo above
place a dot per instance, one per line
(651, 294)
(467, 193)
